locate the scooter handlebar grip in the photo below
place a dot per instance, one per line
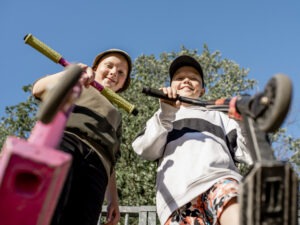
(42, 48)
(156, 93)
(118, 100)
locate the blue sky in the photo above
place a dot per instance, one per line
(261, 35)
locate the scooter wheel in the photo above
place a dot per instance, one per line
(58, 94)
(278, 96)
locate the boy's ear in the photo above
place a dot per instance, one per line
(202, 92)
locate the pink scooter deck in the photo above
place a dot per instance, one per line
(33, 171)
(31, 178)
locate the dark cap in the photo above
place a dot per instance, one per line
(185, 60)
(121, 52)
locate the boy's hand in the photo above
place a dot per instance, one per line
(172, 94)
(87, 76)
(113, 214)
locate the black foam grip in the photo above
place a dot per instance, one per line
(156, 93)
(159, 94)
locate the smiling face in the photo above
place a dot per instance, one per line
(112, 71)
(188, 82)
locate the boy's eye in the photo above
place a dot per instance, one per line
(108, 65)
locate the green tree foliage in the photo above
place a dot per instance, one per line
(136, 177)
(286, 148)
(19, 118)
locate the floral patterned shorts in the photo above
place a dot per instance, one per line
(207, 207)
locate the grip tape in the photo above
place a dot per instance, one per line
(42, 48)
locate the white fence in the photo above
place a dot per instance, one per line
(134, 215)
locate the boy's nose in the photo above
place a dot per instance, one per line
(113, 71)
(186, 80)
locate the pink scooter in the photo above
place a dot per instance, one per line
(32, 172)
